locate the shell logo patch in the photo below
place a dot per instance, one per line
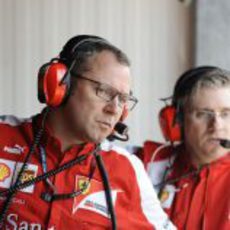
(9, 171)
(7, 168)
(4, 171)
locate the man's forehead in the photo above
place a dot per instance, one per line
(211, 96)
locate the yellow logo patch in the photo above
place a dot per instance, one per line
(4, 171)
(84, 185)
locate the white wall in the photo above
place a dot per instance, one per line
(213, 42)
(156, 35)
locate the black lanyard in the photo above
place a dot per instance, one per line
(49, 173)
(97, 160)
(55, 196)
(44, 167)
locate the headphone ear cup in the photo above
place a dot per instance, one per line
(41, 73)
(52, 88)
(124, 114)
(170, 128)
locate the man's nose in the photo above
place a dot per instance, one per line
(216, 121)
(114, 105)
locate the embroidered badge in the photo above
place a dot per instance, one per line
(9, 171)
(167, 195)
(16, 149)
(93, 197)
(4, 171)
(29, 173)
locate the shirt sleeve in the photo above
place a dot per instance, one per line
(149, 202)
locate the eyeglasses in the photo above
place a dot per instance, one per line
(108, 93)
(204, 115)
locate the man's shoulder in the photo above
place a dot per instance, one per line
(12, 120)
(152, 151)
(12, 126)
(109, 146)
(120, 153)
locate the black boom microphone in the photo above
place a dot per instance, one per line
(120, 132)
(225, 143)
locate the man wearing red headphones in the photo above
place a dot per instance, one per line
(191, 172)
(56, 170)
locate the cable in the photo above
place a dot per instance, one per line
(107, 188)
(42, 177)
(188, 174)
(61, 196)
(20, 174)
(120, 132)
(18, 186)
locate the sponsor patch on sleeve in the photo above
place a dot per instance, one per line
(29, 173)
(6, 172)
(9, 171)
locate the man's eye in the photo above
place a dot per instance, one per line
(106, 93)
(103, 91)
(100, 90)
(225, 114)
(123, 98)
(200, 114)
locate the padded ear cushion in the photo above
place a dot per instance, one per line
(51, 87)
(169, 127)
(40, 84)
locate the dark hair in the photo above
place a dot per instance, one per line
(79, 49)
(194, 79)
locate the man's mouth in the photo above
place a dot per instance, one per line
(105, 124)
(216, 140)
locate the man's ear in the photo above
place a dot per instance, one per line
(124, 114)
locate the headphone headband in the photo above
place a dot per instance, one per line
(54, 77)
(88, 40)
(69, 50)
(188, 80)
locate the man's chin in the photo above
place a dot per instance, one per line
(215, 152)
(98, 135)
(99, 139)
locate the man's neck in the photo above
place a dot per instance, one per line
(59, 131)
(203, 159)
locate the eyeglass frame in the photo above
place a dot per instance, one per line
(130, 97)
(208, 115)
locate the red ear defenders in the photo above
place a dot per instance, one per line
(52, 86)
(169, 126)
(170, 115)
(54, 76)
(124, 114)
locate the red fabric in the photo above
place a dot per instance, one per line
(202, 199)
(87, 211)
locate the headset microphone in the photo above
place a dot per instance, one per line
(225, 143)
(120, 132)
